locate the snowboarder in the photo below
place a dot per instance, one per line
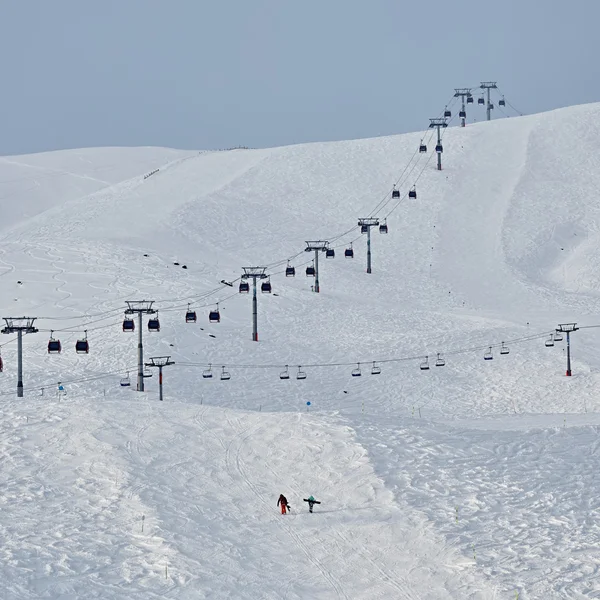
(284, 504)
(311, 502)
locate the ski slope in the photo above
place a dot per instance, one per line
(472, 480)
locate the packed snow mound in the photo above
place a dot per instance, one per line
(496, 250)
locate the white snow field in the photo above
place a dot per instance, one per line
(475, 480)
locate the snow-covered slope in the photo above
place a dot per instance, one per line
(475, 480)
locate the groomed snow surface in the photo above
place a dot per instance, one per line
(476, 480)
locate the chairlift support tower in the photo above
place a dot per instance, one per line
(140, 307)
(160, 362)
(316, 246)
(568, 328)
(438, 124)
(254, 273)
(19, 325)
(489, 85)
(463, 93)
(368, 223)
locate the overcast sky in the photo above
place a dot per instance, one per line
(220, 73)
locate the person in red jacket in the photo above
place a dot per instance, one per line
(284, 504)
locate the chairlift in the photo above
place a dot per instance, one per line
(214, 316)
(462, 114)
(301, 374)
(502, 102)
(82, 346)
(285, 374)
(349, 252)
(383, 228)
(395, 192)
(439, 361)
(488, 355)
(265, 287)
(447, 114)
(549, 343)
(425, 364)
(54, 346)
(422, 147)
(330, 253)
(208, 373)
(439, 148)
(469, 99)
(504, 349)
(225, 375)
(190, 315)
(154, 324)
(125, 381)
(147, 373)
(129, 325)
(375, 369)
(364, 229)
(310, 271)
(356, 372)
(290, 271)
(558, 337)
(244, 287)
(413, 193)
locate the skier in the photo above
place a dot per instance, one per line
(284, 504)
(311, 502)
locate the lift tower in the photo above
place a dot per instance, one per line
(365, 227)
(438, 124)
(140, 307)
(489, 85)
(462, 93)
(568, 328)
(254, 273)
(316, 246)
(19, 326)
(160, 362)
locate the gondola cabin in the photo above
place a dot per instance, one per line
(502, 102)
(190, 316)
(439, 148)
(82, 347)
(265, 287)
(383, 228)
(413, 194)
(447, 113)
(349, 253)
(290, 271)
(422, 148)
(54, 346)
(154, 324)
(462, 114)
(129, 325)
(469, 99)
(310, 271)
(330, 253)
(480, 101)
(214, 316)
(395, 193)
(244, 287)
(364, 229)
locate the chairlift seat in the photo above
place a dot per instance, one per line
(558, 337)
(301, 374)
(488, 355)
(376, 370)
(125, 381)
(207, 374)
(440, 362)
(284, 374)
(356, 372)
(504, 349)
(225, 375)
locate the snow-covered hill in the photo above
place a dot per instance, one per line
(471, 480)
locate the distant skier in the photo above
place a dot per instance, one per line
(311, 502)
(284, 504)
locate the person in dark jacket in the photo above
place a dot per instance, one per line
(284, 504)
(311, 502)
